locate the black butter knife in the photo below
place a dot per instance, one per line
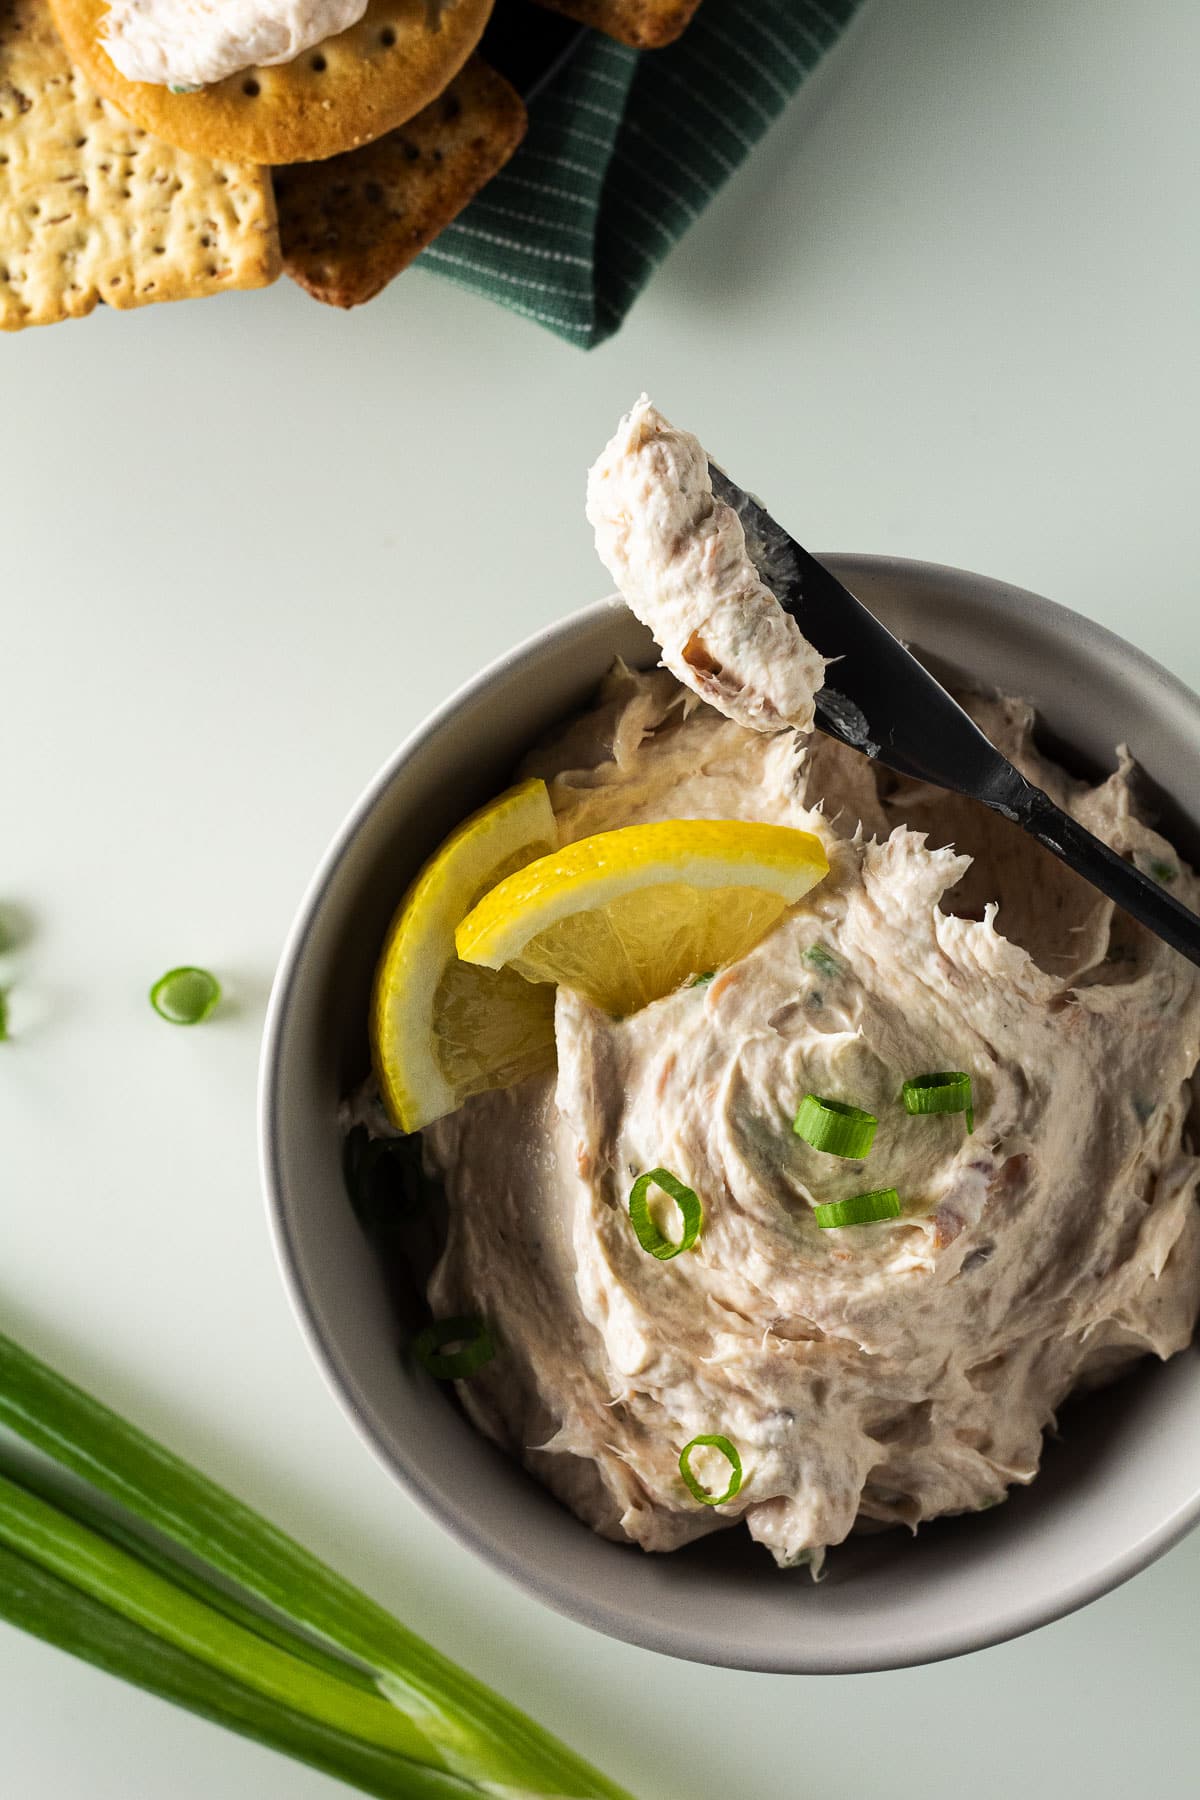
(879, 699)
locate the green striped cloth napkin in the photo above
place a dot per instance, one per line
(624, 151)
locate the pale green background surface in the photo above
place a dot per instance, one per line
(949, 311)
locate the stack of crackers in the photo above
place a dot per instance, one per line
(337, 168)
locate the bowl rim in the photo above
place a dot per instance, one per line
(1010, 1619)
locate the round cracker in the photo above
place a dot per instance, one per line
(344, 92)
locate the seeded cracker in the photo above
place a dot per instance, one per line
(92, 208)
(646, 24)
(349, 225)
(334, 97)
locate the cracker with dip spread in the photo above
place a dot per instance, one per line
(137, 141)
(92, 208)
(646, 24)
(270, 81)
(351, 224)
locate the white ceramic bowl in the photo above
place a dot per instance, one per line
(1121, 1488)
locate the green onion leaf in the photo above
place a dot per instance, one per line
(50, 1608)
(130, 1588)
(476, 1734)
(702, 980)
(3, 1014)
(835, 1127)
(822, 958)
(862, 1209)
(185, 996)
(452, 1349)
(45, 1481)
(945, 1091)
(729, 1452)
(648, 1234)
(1163, 872)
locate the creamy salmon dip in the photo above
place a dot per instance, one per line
(877, 1374)
(679, 558)
(189, 43)
(888, 1372)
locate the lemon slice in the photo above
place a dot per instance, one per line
(441, 1030)
(628, 915)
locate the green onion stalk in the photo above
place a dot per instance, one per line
(113, 1548)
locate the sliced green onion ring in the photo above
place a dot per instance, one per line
(862, 1209)
(728, 1451)
(835, 1127)
(945, 1091)
(185, 996)
(387, 1185)
(452, 1349)
(648, 1234)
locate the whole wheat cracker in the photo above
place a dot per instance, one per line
(349, 225)
(646, 24)
(342, 93)
(92, 208)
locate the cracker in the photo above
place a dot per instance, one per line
(342, 93)
(349, 225)
(646, 24)
(92, 208)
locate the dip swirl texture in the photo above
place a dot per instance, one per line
(885, 1373)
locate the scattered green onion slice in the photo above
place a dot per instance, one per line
(3, 1014)
(452, 1349)
(729, 1452)
(823, 959)
(648, 1234)
(1163, 871)
(945, 1091)
(863, 1209)
(703, 979)
(835, 1126)
(185, 996)
(387, 1185)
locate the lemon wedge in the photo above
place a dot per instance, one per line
(440, 1029)
(627, 916)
